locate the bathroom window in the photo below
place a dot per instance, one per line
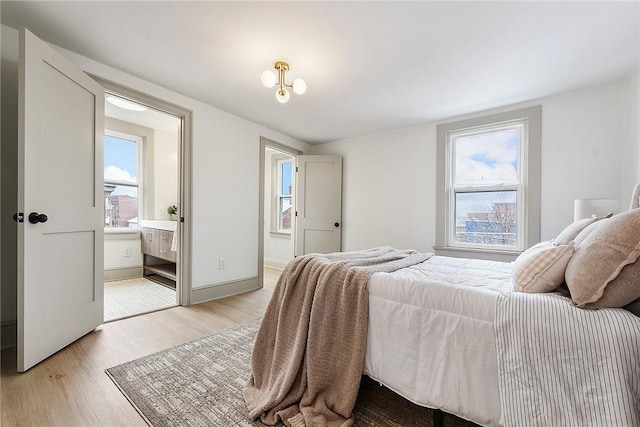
(122, 180)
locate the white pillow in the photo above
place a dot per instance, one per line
(541, 267)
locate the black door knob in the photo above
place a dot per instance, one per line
(18, 217)
(35, 217)
(337, 224)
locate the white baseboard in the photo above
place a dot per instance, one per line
(122, 274)
(222, 290)
(9, 334)
(278, 264)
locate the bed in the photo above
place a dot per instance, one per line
(433, 338)
(494, 343)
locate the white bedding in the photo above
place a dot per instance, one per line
(547, 349)
(431, 335)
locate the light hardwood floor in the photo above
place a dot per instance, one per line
(71, 389)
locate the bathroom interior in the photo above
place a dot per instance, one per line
(141, 184)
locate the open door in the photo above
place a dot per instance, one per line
(318, 204)
(60, 202)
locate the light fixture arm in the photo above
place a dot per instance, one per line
(282, 68)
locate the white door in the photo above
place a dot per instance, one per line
(318, 204)
(60, 256)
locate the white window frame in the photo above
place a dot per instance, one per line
(279, 196)
(527, 188)
(139, 141)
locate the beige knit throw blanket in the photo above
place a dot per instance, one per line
(309, 353)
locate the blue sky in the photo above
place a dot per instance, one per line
(286, 177)
(120, 153)
(489, 158)
(120, 158)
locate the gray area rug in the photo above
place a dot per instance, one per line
(200, 384)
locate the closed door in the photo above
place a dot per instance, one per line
(318, 204)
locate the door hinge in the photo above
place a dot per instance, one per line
(296, 169)
(296, 213)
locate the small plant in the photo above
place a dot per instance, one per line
(172, 210)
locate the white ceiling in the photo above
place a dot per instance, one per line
(369, 66)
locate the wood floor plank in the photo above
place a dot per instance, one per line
(71, 388)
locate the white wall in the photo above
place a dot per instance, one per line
(587, 138)
(226, 153)
(122, 251)
(165, 171)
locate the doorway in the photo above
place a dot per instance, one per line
(277, 206)
(142, 198)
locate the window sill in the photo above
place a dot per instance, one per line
(489, 254)
(121, 230)
(280, 234)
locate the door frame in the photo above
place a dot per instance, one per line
(183, 272)
(264, 144)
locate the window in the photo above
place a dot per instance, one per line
(122, 183)
(488, 197)
(283, 195)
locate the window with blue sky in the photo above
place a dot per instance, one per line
(285, 173)
(121, 180)
(485, 181)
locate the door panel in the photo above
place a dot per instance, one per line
(60, 261)
(318, 204)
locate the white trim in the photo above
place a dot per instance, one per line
(222, 290)
(278, 264)
(111, 275)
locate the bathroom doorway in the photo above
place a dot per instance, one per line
(142, 208)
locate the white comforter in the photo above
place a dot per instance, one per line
(431, 334)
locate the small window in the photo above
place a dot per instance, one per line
(489, 197)
(283, 195)
(122, 182)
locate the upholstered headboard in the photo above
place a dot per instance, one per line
(635, 198)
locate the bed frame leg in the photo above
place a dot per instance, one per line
(438, 418)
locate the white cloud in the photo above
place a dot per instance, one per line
(487, 159)
(114, 173)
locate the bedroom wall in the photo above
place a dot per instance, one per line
(225, 151)
(165, 172)
(587, 136)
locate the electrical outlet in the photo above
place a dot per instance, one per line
(127, 252)
(221, 263)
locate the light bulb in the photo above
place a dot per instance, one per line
(268, 78)
(299, 86)
(123, 103)
(282, 95)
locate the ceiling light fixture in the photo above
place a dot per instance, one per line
(123, 103)
(270, 79)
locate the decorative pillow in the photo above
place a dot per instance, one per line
(541, 267)
(573, 229)
(587, 231)
(605, 271)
